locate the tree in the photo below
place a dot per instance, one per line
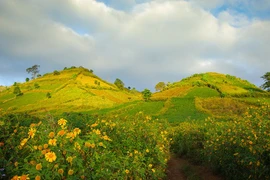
(160, 86)
(27, 79)
(146, 94)
(17, 91)
(36, 85)
(48, 95)
(266, 84)
(119, 83)
(33, 70)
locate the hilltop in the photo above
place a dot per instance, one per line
(210, 84)
(72, 89)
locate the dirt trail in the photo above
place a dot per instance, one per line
(182, 169)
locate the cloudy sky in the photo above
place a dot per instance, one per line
(141, 42)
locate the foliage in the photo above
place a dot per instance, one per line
(17, 91)
(103, 149)
(119, 83)
(27, 79)
(266, 78)
(160, 86)
(36, 85)
(146, 94)
(33, 70)
(238, 147)
(48, 95)
(56, 72)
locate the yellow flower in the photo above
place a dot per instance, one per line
(15, 177)
(32, 132)
(150, 165)
(24, 141)
(40, 147)
(50, 156)
(35, 147)
(37, 177)
(71, 135)
(106, 138)
(127, 171)
(70, 172)
(51, 135)
(61, 132)
(45, 146)
(94, 125)
(76, 131)
(97, 131)
(52, 142)
(60, 171)
(77, 146)
(147, 150)
(16, 164)
(101, 144)
(44, 151)
(153, 170)
(24, 177)
(38, 166)
(62, 122)
(69, 159)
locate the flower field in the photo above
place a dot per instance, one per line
(109, 148)
(238, 148)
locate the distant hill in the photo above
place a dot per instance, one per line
(2, 88)
(73, 89)
(210, 84)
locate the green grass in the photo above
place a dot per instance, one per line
(183, 109)
(203, 92)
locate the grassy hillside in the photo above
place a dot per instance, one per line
(211, 84)
(73, 89)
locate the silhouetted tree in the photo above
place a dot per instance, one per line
(33, 70)
(119, 83)
(266, 78)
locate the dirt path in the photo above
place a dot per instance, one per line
(182, 169)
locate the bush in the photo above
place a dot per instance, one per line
(56, 72)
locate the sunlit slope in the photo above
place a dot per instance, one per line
(211, 85)
(73, 89)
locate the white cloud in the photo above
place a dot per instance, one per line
(154, 41)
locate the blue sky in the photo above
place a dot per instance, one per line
(141, 42)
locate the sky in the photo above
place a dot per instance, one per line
(141, 42)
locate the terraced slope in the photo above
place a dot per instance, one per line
(74, 89)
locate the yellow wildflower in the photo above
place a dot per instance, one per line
(24, 141)
(52, 142)
(51, 135)
(40, 147)
(106, 138)
(32, 132)
(61, 132)
(147, 150)
(153, 170)
(16, 164)
(70, 172)
(15, 177)
(60, 171)
(24, 177)
(50, 156)
(38, 166)
(76, 131)
(69, 159)
(127, 171)
(62, 122)
(45, 146)
(71, 135)
(37, 177)
(94, 125)
(150, 165)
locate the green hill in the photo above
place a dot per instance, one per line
(73, 89)
(210, 85)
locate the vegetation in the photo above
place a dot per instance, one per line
(119, 83)
(17, 91)
(49, 149)
(146, 94)
(33, 70)
(266, 78)
(93, 129)
(160, 86)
